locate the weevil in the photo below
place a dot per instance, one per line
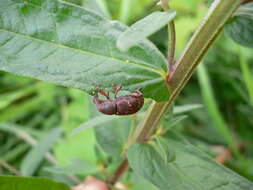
(122, 105)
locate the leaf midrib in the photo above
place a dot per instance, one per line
(153, 69)
(160, 72)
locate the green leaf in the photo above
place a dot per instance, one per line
(31, 183)
(76, 167)
(14, 153)
(246, 72)
(67, 45)
(192, 169)
(164, 149)
(99, 6)
(140, 183)
(174, 121)
(19, 130)
(186, 108)
(213, 109)
(240, 28)
(144, 28)
(96, 121)
(245, 10)
(41, 94)
(77, 112)
(37, 154)
(7, 98)
(111, 136)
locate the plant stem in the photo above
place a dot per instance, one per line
(172, 45)
(10, 168)
(172, 38)
(151, 120)
(203, 38)
(119, 172)
(218, 15)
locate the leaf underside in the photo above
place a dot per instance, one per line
(67, 45)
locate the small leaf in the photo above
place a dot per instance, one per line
(31, 183)
(76, 167)
(240, 28)
(144, 28)
(67, 45)
(19, 130)
(166, 152)
(174, 121)
(98, 120)
(186, 108)
(37, 154)
(245, 10)
(192, 169)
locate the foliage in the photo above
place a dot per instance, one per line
(195, 173)
(66, 41)
(240, 28)
(20, 183)
(55, 131)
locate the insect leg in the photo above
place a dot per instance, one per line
(117, 89)
(104, 93)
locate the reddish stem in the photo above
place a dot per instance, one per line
(119, 172)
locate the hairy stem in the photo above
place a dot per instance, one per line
(203, 38)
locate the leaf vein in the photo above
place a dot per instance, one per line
(153, 69)
(162, 73)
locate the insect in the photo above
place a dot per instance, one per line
(122, 105)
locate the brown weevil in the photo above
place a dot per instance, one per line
(122, 105)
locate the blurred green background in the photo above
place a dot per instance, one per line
(30, 109)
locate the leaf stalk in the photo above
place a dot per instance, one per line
(172, 38)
